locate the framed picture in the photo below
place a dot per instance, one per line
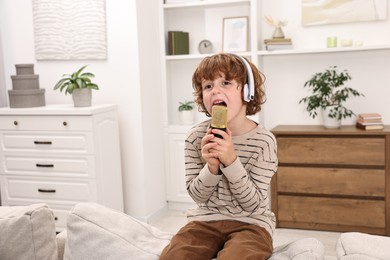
(235, 34)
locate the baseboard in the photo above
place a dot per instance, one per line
(181, 206)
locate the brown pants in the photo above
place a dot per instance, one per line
(222, 239)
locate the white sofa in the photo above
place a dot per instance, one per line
(97, 232)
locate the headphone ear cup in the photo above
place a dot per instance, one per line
(246, 92)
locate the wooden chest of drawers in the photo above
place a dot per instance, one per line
(60, 155)
(337, 180)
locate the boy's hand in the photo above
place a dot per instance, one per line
(209, 154)
(224, 148)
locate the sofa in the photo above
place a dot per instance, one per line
(97, 232)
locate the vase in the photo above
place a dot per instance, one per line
(278, 33)
(186, 117)
(82, 97)
(329, 122)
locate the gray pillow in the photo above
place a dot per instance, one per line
(27, 232)
(98, 232)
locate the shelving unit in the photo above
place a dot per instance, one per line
(203, 20)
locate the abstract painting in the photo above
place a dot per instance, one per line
(319, 12)
(69, 29)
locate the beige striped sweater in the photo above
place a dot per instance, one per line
(241, 192)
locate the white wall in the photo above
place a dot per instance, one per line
(286, 74)
(120, 82)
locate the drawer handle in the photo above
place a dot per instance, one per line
(55, 218)
(15, 122)
(47, 191)
(42, 142)
(65, 123)
(44, 165)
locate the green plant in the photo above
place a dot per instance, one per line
(77, 79)
(328, 90)
(185, 106)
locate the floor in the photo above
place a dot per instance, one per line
(173, 220)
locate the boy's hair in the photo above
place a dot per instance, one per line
(233, 68)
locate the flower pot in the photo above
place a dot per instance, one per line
(82, 97)
(186, 117)
(331, 123)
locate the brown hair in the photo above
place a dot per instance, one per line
(232, 67)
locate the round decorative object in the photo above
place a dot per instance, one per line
(205, 46)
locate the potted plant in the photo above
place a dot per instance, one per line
(79, 85)
(186, 112)
(329, 93)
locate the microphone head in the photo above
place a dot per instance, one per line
(219, 117)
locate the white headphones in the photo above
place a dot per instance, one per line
(249, 87)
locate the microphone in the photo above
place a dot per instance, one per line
(219, 118)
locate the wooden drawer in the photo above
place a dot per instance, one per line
(70, 166)
(43, 190)
(331, 181)
(46, 123)
(47, 142)
(331, 211)
(336, 150)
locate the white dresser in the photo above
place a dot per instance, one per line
(60, 155)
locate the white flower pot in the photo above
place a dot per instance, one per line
(331, 123)
(186, 117)
(82, 97)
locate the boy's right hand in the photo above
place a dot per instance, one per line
(209, 154)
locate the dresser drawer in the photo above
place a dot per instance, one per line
(80, 142)
(335, 150)
(47, 123)
(43, 189)
(331, 211)
(331, 181)
(71, 166)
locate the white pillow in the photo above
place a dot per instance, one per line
(97, 232)
(359, 246)
(27, 232)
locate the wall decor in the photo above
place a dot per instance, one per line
(70, 29)
(235, 34)
(319, 12)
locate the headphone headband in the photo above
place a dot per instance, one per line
(249, 88)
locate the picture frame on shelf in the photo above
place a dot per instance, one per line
(235, 34)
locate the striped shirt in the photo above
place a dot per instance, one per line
(241, 193)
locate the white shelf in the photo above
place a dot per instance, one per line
(286, 52)
(323, 50)
(197, 56)
(204, 3)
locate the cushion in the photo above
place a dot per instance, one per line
(361, 246)
(301, 249)
(61, 239)
(27, 232)
(97, 232)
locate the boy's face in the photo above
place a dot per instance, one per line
(223, 92)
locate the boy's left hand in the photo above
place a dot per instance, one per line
(225, 148)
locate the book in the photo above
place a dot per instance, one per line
(278, 41)
(370, 127)
(178, 43)
(370, 116)
(278, 47)
(369, 121)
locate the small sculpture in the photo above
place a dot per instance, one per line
(278, 24)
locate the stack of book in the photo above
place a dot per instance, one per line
(278, 44)
(369, 121)
(178, 43)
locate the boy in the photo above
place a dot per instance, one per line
(228, 177)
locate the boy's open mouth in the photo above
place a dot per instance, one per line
(219, 103)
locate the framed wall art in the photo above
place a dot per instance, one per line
(319, 12)
(69, 30)
(235, 34)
